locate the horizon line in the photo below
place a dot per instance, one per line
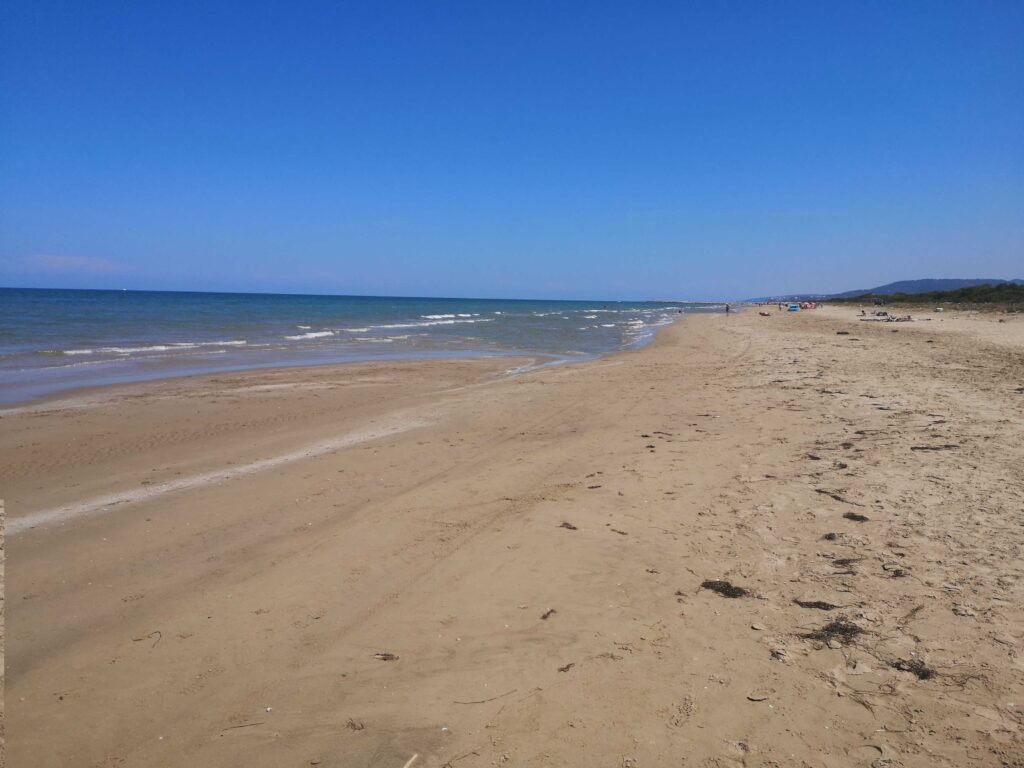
(363, 295)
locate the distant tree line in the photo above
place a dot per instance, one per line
(1002, 293)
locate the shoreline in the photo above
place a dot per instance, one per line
(538, 360)
(76, 391)
(97, 395)
(73, 395)
(59, 341)
(455, 590)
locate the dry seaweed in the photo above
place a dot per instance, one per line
(724, 588)
(856, 517)
(841, 630)
(915, 666)
(820, 605)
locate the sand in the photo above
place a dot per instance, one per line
(362, 565)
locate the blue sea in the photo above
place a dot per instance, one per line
(56, 340)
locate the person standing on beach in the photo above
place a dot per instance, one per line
(728, 309)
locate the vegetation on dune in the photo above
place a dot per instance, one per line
(1002, 293)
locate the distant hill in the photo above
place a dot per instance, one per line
(902, 287)
(927, 285)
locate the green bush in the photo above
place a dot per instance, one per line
(1002, 293)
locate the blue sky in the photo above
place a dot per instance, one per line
(518, 149)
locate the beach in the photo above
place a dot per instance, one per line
(792, 540)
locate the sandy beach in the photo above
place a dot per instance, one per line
(437, 563)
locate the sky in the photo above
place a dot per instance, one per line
(683, 150)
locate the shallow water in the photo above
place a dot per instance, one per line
(54, 340)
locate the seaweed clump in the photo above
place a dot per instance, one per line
(724, 588)
(842, 630)
(915, 666)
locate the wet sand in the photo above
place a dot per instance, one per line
(357, 565)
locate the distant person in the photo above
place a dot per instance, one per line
(728, 309)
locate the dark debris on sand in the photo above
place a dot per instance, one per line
(916, 666)
(724, 588)
(856, 517)
(841, 630)
(819, 605)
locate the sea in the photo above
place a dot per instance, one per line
(52, 341)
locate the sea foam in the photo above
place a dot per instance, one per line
(310, 335)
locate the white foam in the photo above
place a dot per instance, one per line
(182, 353)
(439, 317)
(435, 322)
(311, 335)
(171, 347)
